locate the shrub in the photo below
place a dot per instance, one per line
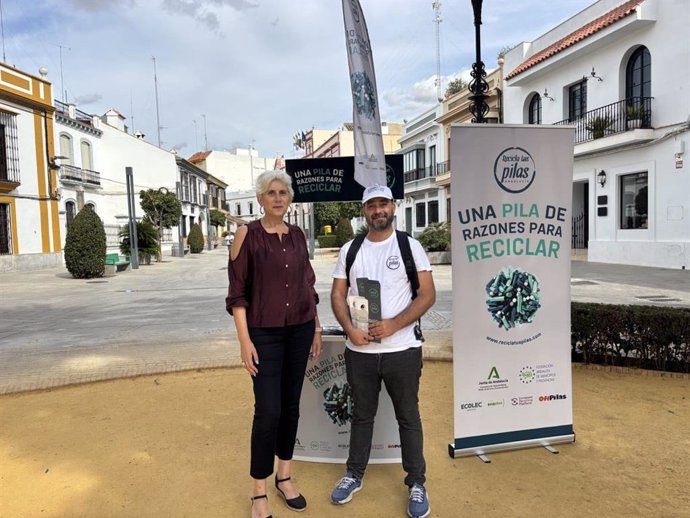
(328, 241)
(364, 229)
(435, 237)
(599, 125)
(343, 232)
(634, 111)
(631, 336)
(85, 245)
(147, 239)
(195, 239)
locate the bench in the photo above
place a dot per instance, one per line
(115, 263)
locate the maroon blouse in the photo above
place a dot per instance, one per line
(273, 279)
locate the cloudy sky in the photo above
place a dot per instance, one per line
(258, 70)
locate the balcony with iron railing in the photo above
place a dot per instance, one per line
(421, 173)
(79, 115)
(619, 117)
(73, 174)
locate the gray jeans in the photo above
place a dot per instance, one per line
(400, 371)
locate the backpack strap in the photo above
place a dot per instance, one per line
(408, 261)
(351, 254)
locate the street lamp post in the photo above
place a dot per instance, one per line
(478, 85)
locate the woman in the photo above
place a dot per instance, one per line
(272, 299)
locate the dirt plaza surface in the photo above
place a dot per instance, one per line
(176, 445)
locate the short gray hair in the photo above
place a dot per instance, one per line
(263, 181)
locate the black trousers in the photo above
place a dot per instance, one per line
(283, 354)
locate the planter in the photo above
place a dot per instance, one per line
(439, 257)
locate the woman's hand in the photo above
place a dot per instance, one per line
(250, 358)
(316, 345)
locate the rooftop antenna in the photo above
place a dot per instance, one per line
(437, 21)
(205, 134)
(2, 26)
(62, 79)
(131, 110)
(158, 117)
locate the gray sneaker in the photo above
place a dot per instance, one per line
(418, 505)
(346, 487)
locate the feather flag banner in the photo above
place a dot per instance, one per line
(370, 162)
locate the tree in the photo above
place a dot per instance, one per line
(195, 239)
(455, 86)
(330, 213)
(85, 245)
(343, 232)
(502, 53)
(163, 209)
(218, 218)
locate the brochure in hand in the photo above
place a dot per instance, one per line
(366, 307)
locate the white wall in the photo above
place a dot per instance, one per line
(661, 26)
(237, 168)
(152, 168)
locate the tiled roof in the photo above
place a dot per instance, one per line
(198, 157)
(580, 34)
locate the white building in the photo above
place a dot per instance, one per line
(423, 153)
(94, 153)
(238, 168)
(620, 73)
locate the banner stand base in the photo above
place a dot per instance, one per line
(482, 452)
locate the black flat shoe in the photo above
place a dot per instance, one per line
(259, 497)
(299, 503)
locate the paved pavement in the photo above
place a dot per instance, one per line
(170, 316)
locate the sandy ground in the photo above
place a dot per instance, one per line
(177, 445)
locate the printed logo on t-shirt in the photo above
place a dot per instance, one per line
(393, 262)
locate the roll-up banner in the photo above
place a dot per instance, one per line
(511, 228)
(323, 434)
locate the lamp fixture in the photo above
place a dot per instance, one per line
(546, 95)
(52, 161)
(594, 75)
(601, 177)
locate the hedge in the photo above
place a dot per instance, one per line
(328, 241)
(647, 337)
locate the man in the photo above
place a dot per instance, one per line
(389, 351)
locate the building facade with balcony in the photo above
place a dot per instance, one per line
(30, 234)
(193, 194)
(619, 72)
(423, 149)
(93, 154)
(78, 141)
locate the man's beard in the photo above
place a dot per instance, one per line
(380, 224)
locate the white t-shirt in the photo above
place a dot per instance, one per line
(382, 261)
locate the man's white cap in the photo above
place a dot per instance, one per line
(376, 191)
